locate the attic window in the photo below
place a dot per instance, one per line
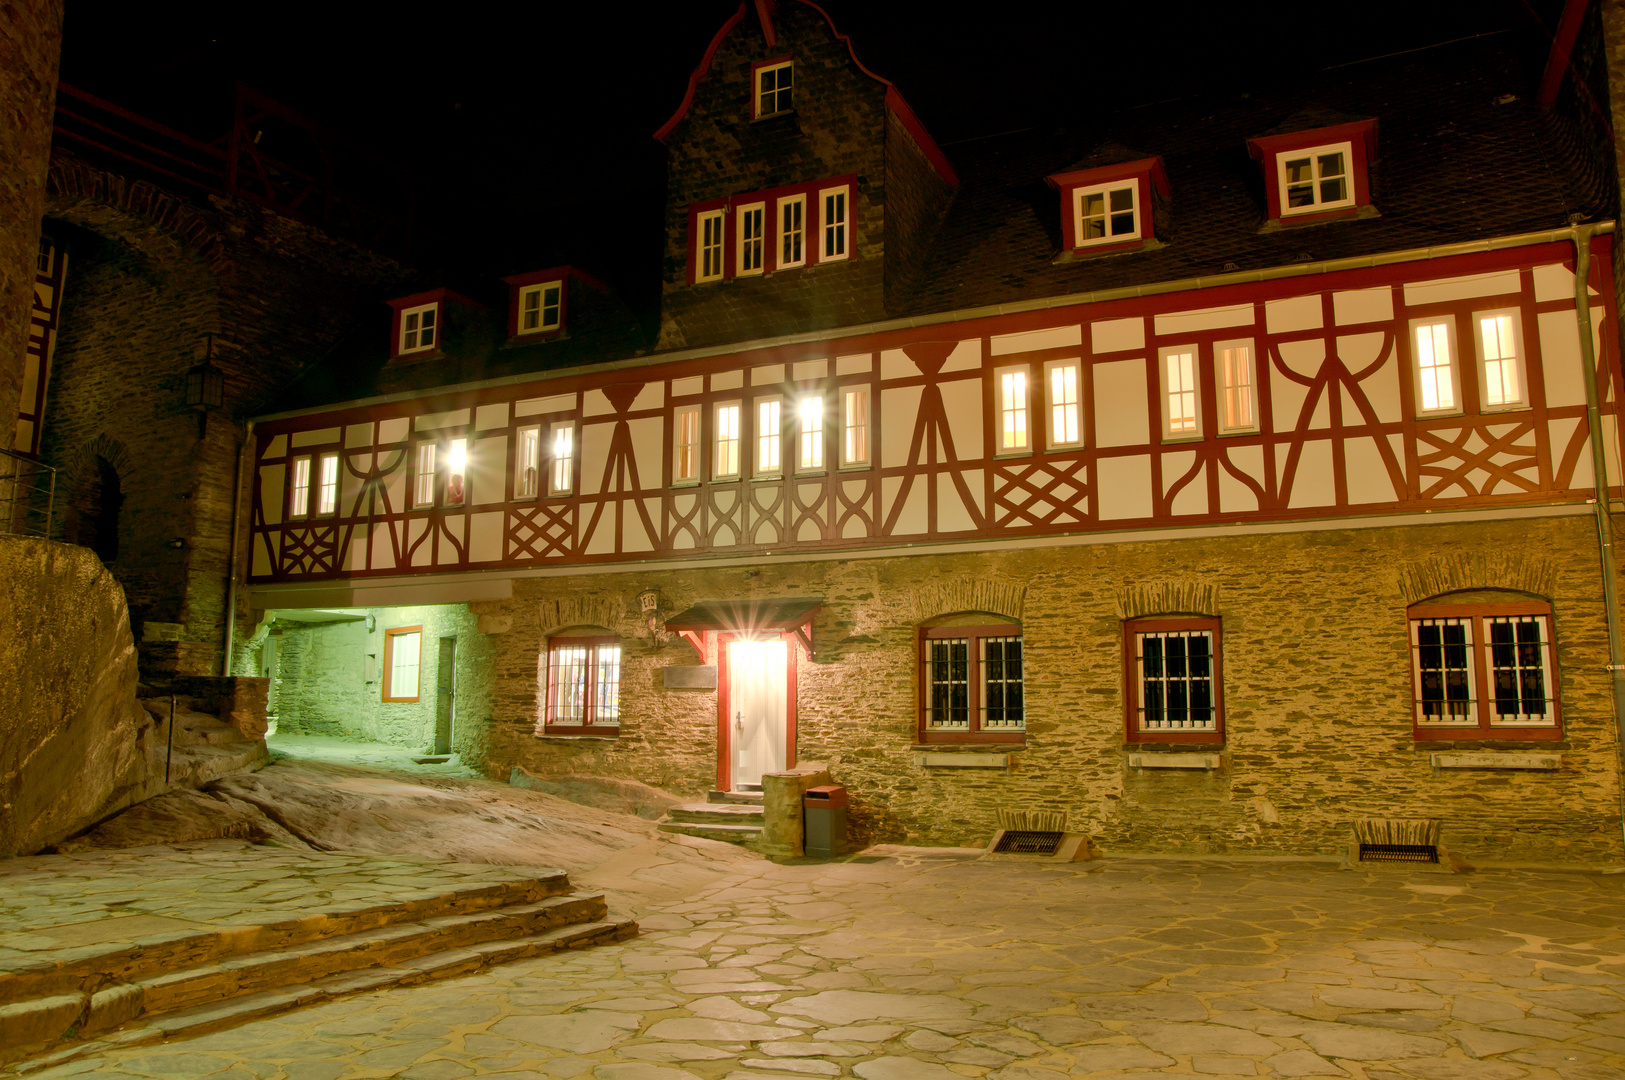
(540, 307)
(1107, 208)
(1316, 178)
(772, 80)
(1106, 214)
(418, 326)
(1317, 174)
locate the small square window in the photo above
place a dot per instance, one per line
(1316, 178)
(1010, 386)
(792, 231)
(418, 328)
(685, 429)
(708, 252)
(1236, 377)
(1180, 416)
(1500, 354)
(540, 307)
(1438, 385)
(773, 83)
(1063, 387)
(527, 482)
(726, 464)
(1107, 214)
(855, 426)
(748, 259)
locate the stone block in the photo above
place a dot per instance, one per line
(43, 1020)
(495, 624)
(111, 1007)
(930, 760)
(689, 677)
(1497, 760)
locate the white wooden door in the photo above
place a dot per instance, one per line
(757, 682)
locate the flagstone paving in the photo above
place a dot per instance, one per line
(912, 965)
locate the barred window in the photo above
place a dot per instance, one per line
(1173, 680)
(583, 685)
(1484, 670)
(972, 683)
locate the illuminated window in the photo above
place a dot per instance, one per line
(402, 651)
(833, 223)
(583, 686)
(1237, 390)
(685, 462)
(1012, 390)
(726, 464)
(1498, 351)
(1179, 417)
(773, 88)
(708, 256)
(418, 328)
(1435, 366)
(1483, 670)
(540, 307)
(423, 480)
(527, 477)
(792, 231)
(1065, 408)
(561, 449)
(768, 436)
(750, 239)
(1107, 214)
(299, 488)
(1315, 179)
(1174, 685)
(855, 426)
(811, 454)
(327, 489)
(456, 472)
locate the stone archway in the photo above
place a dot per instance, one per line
(95, 498)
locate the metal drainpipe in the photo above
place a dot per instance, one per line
(231, 565)
(1599, 467)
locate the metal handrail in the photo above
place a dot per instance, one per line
(27, 492)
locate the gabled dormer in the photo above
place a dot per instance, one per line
(1317, 168)
(424, 321)
(1108, 203)
(802, 191)
(540, 302)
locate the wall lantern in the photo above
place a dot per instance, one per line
(654, 616)
(205, 387)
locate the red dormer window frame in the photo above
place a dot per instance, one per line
(812, 227)
(1270, 150)
(1147, 174)
(518, 283)
(439, 298)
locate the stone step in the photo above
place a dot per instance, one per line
(734, 797)
(731, 834)
(97, 968)
(717, 813)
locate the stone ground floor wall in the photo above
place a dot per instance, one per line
(1316, 683)
(327, 677)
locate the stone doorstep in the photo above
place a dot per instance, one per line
(731, 834)
(717, 813)
(121, 963)
(742, 797)
(45, 1021)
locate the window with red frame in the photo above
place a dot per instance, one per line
(583, 686)
(1173, 670)
(1483, 671)
(972, 684)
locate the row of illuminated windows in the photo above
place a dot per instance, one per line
(760, 448)
(771, 233)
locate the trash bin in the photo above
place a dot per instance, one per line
(824, 811)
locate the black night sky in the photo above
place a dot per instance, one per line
(529, 126)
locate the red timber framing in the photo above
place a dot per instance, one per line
(1338, 434)
(50, 269)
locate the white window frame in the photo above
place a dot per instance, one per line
(1132, 186)
(728, 440)
(299, 487)
(1053, 415)
(756, 94)
(811, 426)
(423, 474)
(1223, 387)
(1192, 430)
(1013, 419)
(327, 484)
(1454, 408)
(1519, 368)
(1314, 153)
(414, 317)
(856, 453)
(767, 437)
(561, 457)
(539, 291)
(839, 231)
(527, 466)
(457, 456)
(782, 235)
(705, 245)
(750, 244)
(690, 475)
(396, 670)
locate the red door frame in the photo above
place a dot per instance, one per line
(725, 729)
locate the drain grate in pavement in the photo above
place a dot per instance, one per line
(1399, 853)
(1027, 842)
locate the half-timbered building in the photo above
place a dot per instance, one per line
(1221, 472)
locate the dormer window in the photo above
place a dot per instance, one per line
(418, 328)
(1106, 209)
(1317, 174)
(541, 307)
(1315, 179)
(1106, 214)
(772, 80)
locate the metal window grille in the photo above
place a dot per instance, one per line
(607, 699)
(1520, 670)
(1027, 842)
(567, 685)
(1444, 671)
(1425, 853)
(947, 679)
(1176, 680)
(1003, 691)
(584, 685)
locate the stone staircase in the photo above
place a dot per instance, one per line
(200, 982)
(734, 817)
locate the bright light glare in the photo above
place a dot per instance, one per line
(458, 456)
(810, 408)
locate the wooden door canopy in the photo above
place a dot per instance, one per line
(779, 615)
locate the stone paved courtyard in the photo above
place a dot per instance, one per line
(906, 964)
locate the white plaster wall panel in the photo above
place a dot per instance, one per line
(1368, 479)
(1360, 351)
(803, 370)
(652, 396)
(962, 402)
(1363, 306)
(354, 556)
(393, 430)
(913, 520)
(854, 528)
(453, 528)
(683, 504)
(487, 417)
(417, 528)
(1122, 411)
(595, 439)
(1175, 465)
(1381, 387)
(1303, 357)
(1192, 498)
(277, 446)
(1560, 359)
(559, 403)
(601, 539)
(596, 403)
(855, 364)
(648, 449)
(1186, 322)
(382, 542)
(438, 420)
(1313, 484)
(1286, 400)
(978, 495)
(1056, 337)
(357, 435)
(395, 481)
(1564, 431)
(1294, 314)
(350, 484)
(952, 514)
(967, 356)
(812, 497)
(727, 380)
(317, 437)
(1235, 496)
(693, 384)
(271, 493)
(895, 364)
(1116, 335)
(764, 522)
(261, 556)
(634, 534)
(767, 375)
(488, 471)
(1124, 487)
(899, 408)
(1462, 288)
(1553, 282)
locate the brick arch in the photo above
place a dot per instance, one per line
(593, 609)
(992, 595)
(104, 446)
(1185, 596)
(72, 180)
(1440, 574)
